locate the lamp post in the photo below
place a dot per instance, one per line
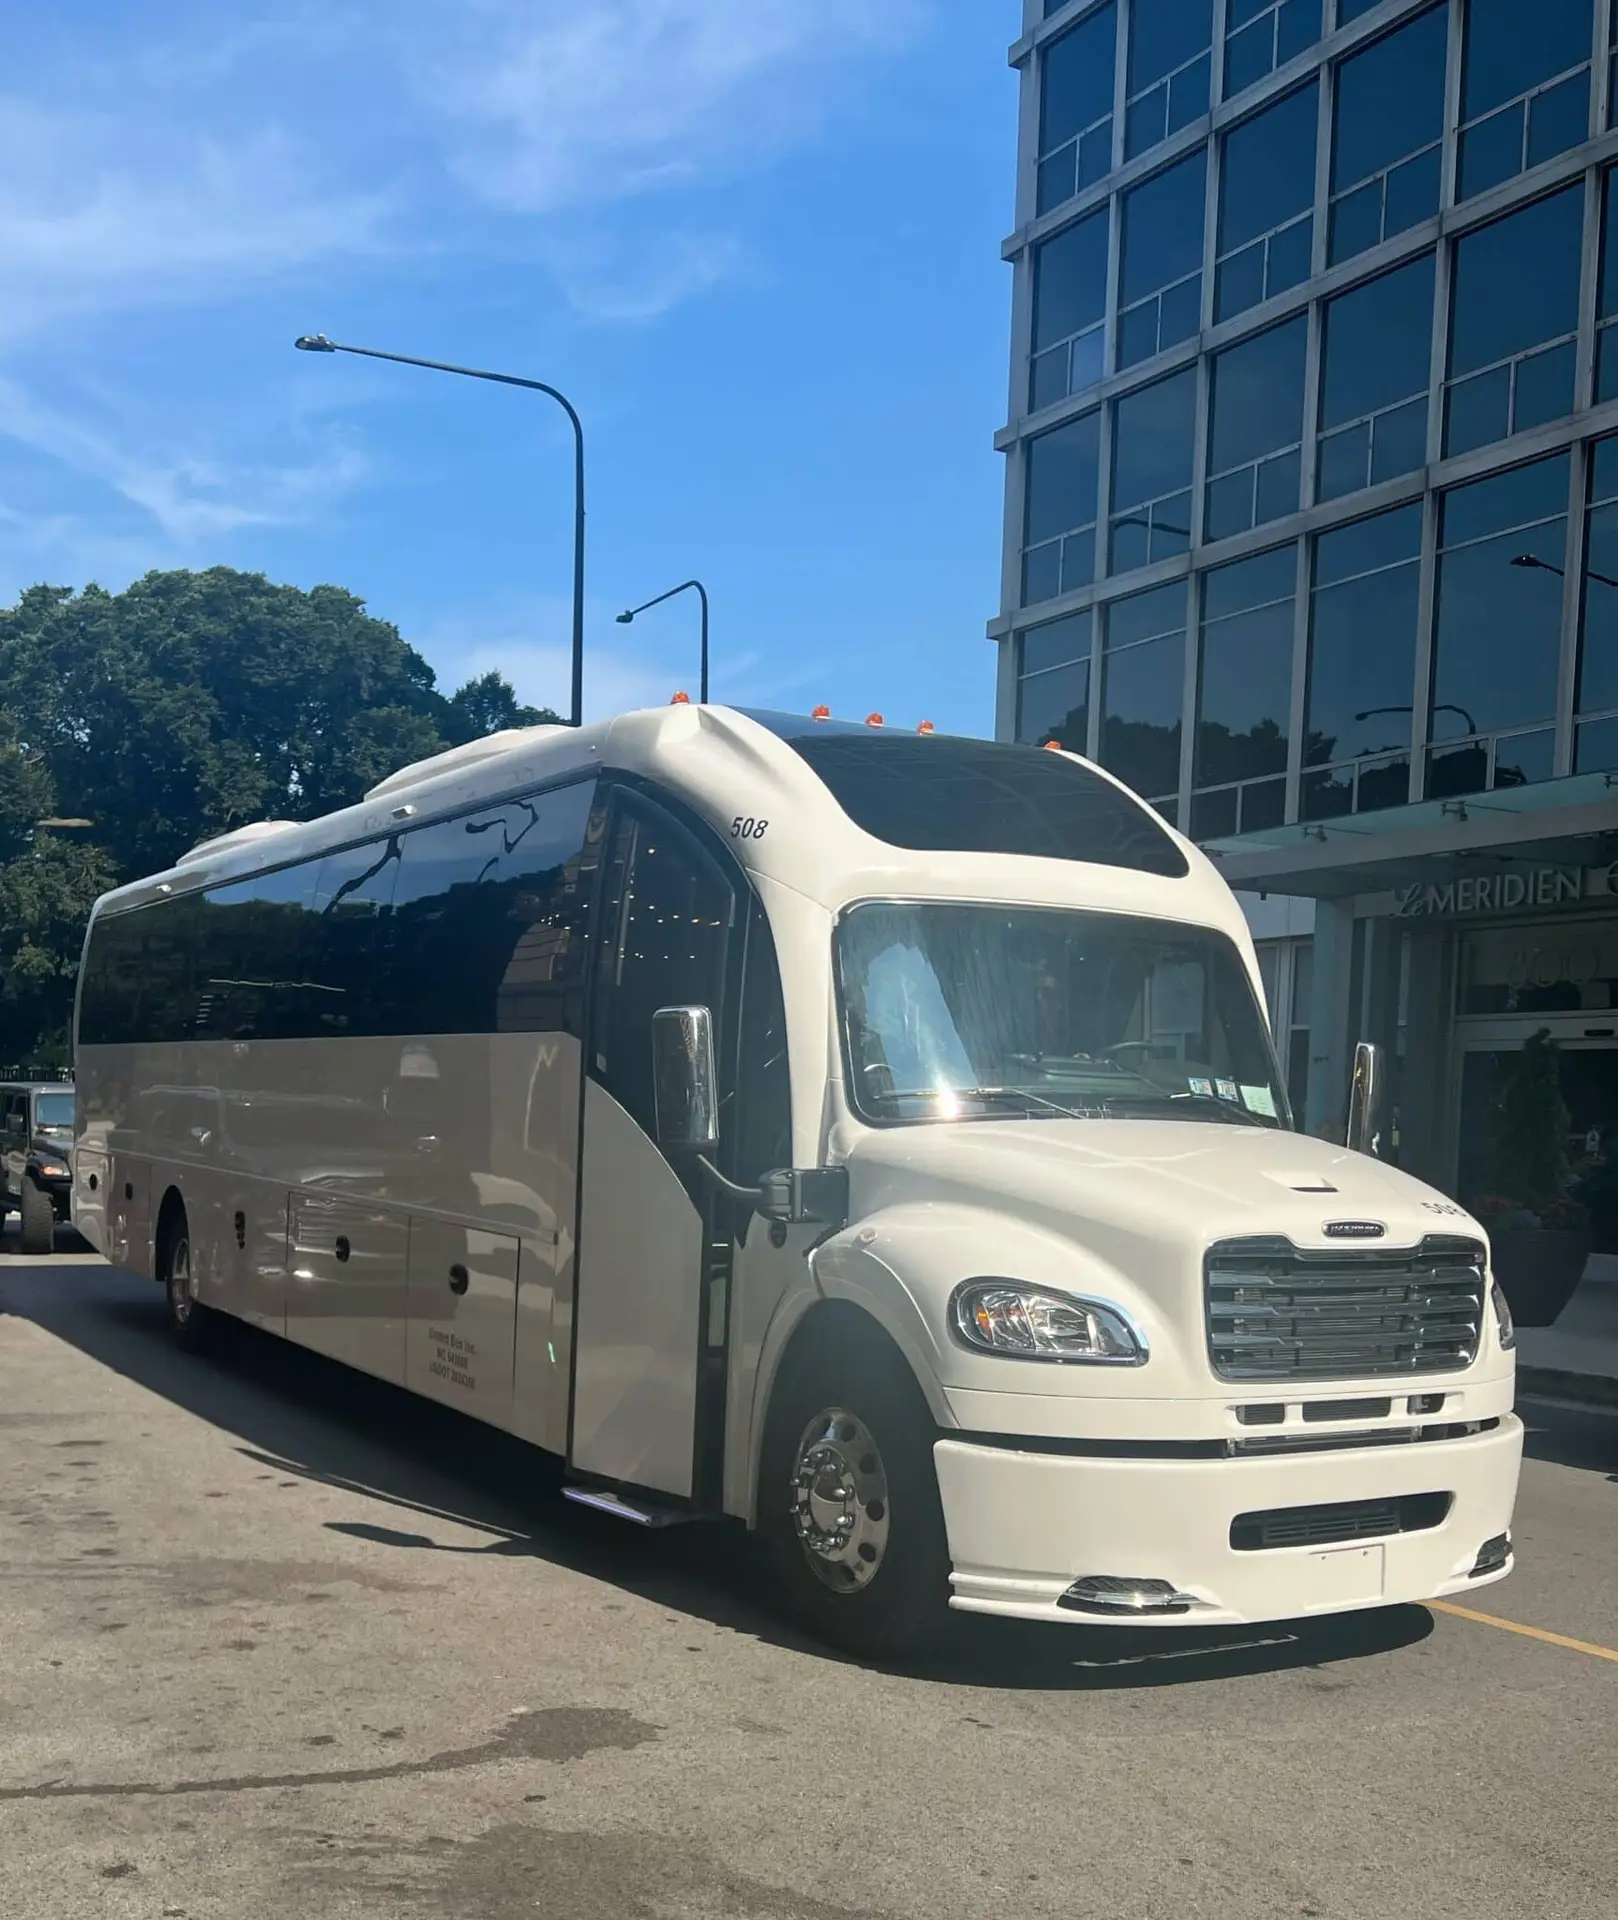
(1533, 561)
(318, 343)
(1442, 706)
(626, 618)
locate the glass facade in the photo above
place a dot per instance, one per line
(1319, 513)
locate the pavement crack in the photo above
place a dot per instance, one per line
(555, 1734)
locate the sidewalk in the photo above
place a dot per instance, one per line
(1577, 1358)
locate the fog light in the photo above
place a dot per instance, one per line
(1118, 1594)
(1492, 1556)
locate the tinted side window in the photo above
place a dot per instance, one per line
(759, 1119)
(666, 946)
(107, 1002)
(138, 977)
(251, 951)
(353, 912)
(543, 883)
(488, 918)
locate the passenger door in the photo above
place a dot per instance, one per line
(645, 1219)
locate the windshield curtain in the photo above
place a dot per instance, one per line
(971, 1011)
(53, 1109)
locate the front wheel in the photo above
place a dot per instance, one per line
(38, 1220)
(188, 1317)
(849, 1500)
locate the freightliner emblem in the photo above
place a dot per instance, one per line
(1354, 1229)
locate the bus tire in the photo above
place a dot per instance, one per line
(848, 1499)
(188, 1317)
(38, 1220)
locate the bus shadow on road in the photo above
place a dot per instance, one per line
(299, 1415)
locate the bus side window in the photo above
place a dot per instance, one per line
(544, 879)
(760, 1134)
(664, 941)
(353, 908)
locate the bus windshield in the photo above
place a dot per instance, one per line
(968, 1011)
(53, 1109)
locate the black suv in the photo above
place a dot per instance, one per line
(36, 1138)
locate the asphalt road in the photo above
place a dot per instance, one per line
(275, 1640)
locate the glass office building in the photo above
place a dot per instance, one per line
(1312, 504)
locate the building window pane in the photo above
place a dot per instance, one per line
(1244, 694)
(1152, 437)
(1075, 109)
(1612, 63)
(1362, 666)
(1267, 191)
(1053, 684)
(1512, 326)
(1060, 517)
(1261, 35)
(1388, 138)
(1160, 275)
(1169, 41)
(1377, 358)
(1256, 431)
(1070, 304)
(1525, 87)
(1598, 648)
(1606, 387)
(1502, 549)
(1142, 677)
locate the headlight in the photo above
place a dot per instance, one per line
(51, 1171)
(1038, 1323)
(1504, 1324)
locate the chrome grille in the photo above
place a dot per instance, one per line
(1279, 1312)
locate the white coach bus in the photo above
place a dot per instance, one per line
(872, 1138)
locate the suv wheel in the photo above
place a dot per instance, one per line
(38, 1219)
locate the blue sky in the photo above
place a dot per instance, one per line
(757, 241)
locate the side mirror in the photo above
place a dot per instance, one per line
(792, 1196)
(1365, 1099)
(684, 1083)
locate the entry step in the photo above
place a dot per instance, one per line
(641, 1513)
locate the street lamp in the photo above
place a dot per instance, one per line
(626, 618)
(1442, 706)
(318, 343)
(1546, 566)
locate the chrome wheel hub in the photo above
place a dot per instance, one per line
(840, 1499)
(182, 1288)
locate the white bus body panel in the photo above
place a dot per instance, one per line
(640, 1295)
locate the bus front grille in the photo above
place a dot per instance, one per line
(1278, 1312)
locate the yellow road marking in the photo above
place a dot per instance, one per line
(1530, 1633)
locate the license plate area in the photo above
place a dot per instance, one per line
(1342, 1577)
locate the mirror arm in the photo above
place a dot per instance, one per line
(711, 1173)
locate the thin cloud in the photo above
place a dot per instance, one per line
(552, 106)
(191, 497)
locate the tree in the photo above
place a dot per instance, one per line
(1530, 1130)
(488, 705)
(186, 705)
(191, 703)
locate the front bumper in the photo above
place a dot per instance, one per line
(1024, 1526)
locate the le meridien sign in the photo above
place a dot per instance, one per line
(1531, 890)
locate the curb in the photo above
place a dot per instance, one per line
(1592, 1389)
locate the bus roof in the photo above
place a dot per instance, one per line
(830, 809)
